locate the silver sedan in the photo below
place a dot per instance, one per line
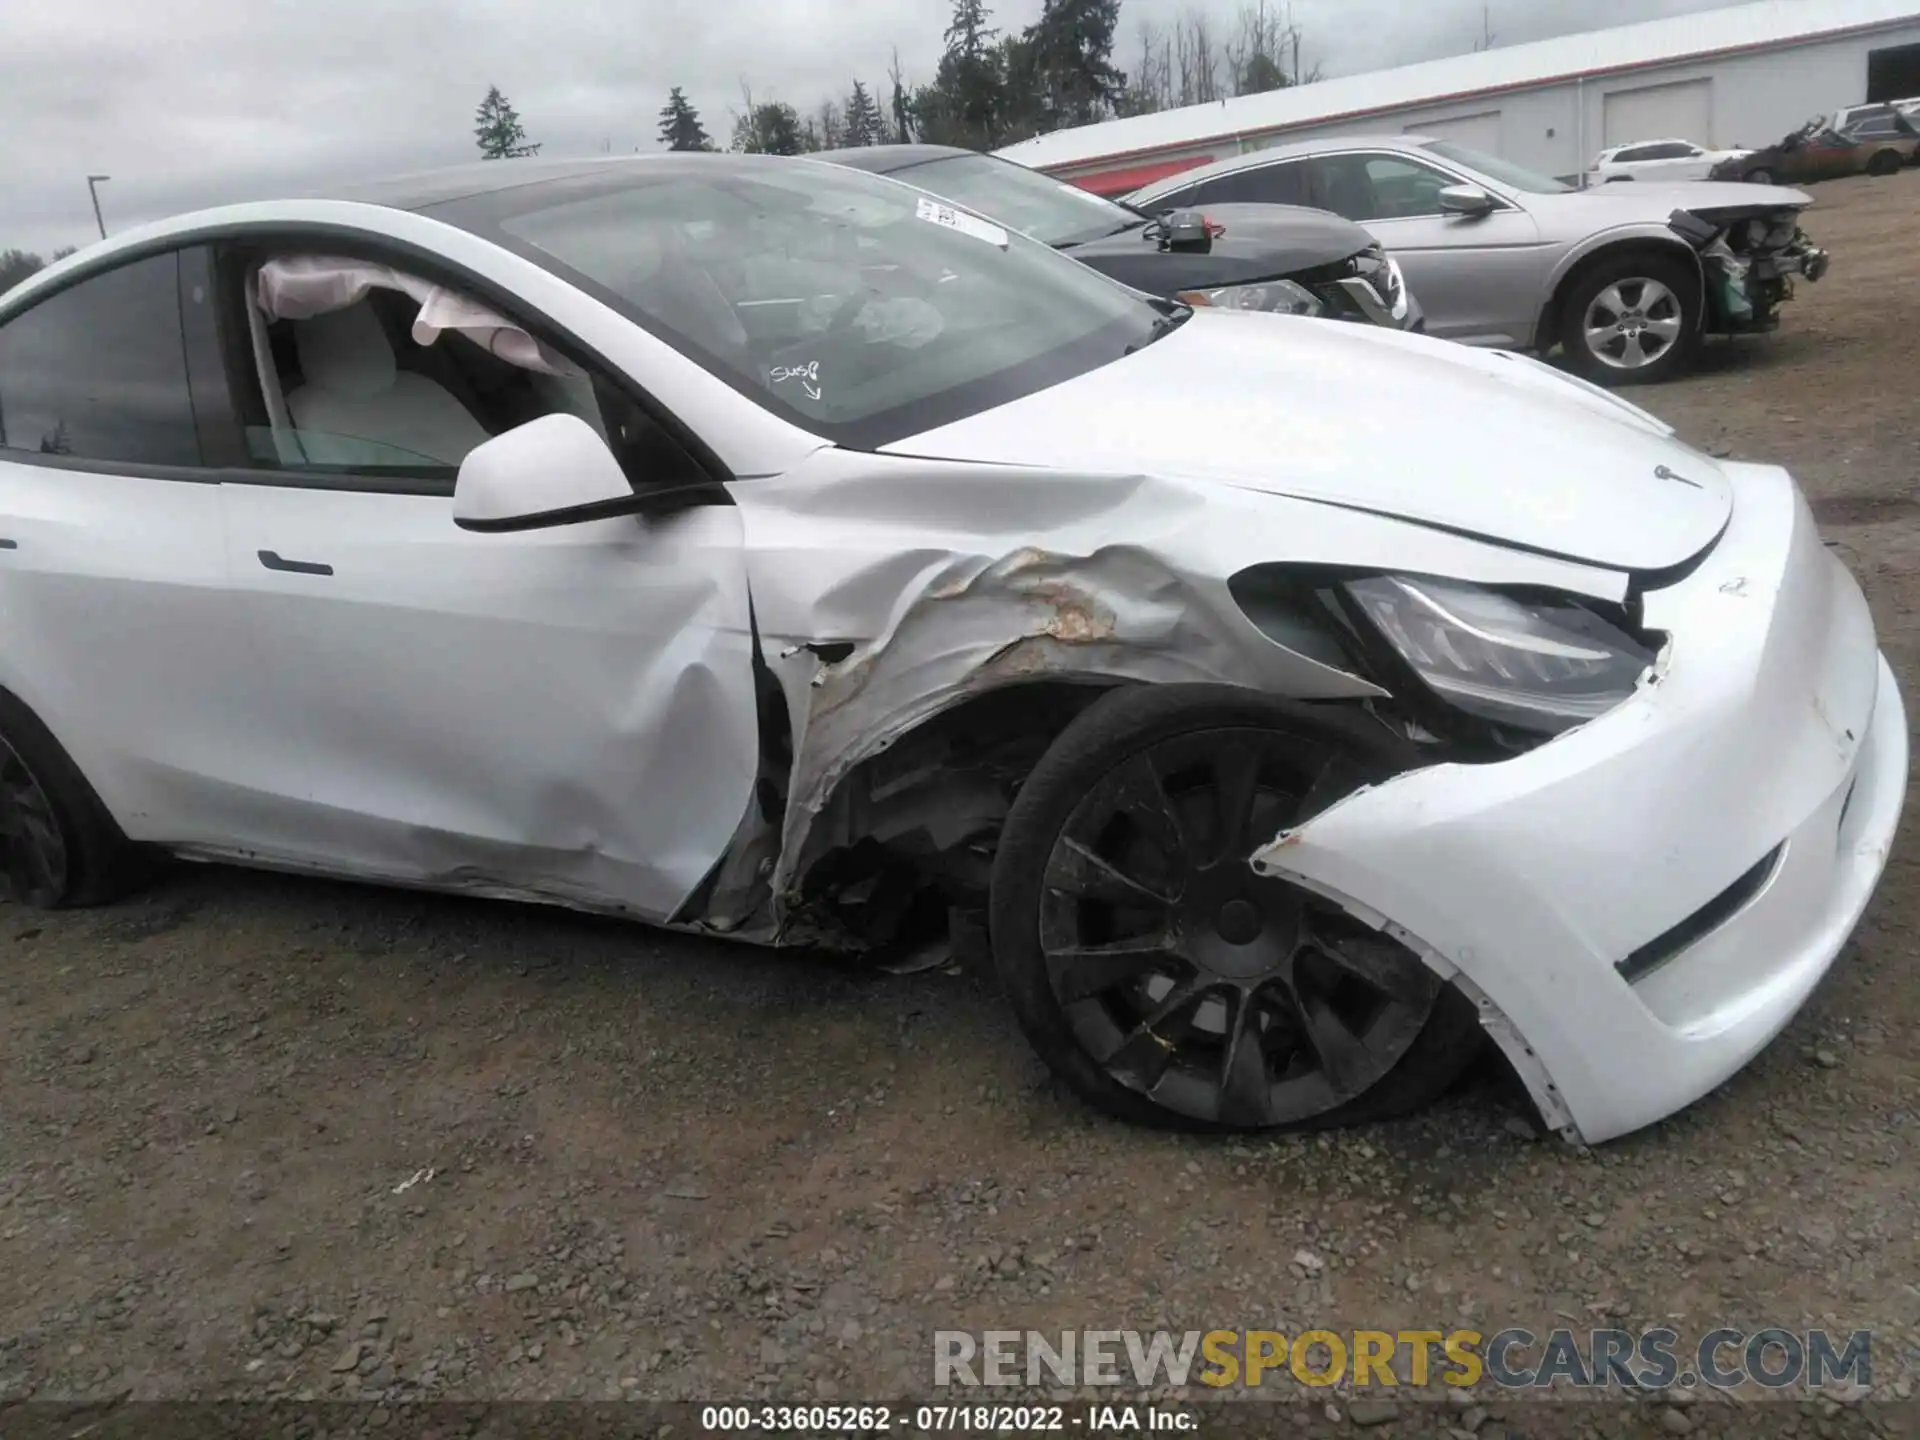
(1625, 280)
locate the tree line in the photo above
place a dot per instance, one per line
(17, 265)
(992, 88)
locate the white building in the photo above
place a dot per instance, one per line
(1743, 75)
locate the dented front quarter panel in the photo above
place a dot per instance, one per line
(931, 581)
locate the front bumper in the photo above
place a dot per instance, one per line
(1366, 300)
(1773, 728)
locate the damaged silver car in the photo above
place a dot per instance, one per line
(1623, 279)
(765, 549)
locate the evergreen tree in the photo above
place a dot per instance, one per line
(1073, 60)
(1261, 72)
(498, 131)
(17, 265)
(680, 127)
(862, 124)
(964, 102)
(772, 128)
(1024, 110)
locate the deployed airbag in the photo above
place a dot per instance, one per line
(299, 287)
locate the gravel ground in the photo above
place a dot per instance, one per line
(271, 1137)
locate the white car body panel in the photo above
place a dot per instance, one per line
(566, 713)
(1769, 708)
(570, 714)
(950, 579)
(1589, 485)
(112, 588)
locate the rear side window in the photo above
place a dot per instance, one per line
(1262, 185)
(98, 371)
(1174, 200)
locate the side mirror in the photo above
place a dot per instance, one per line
(547, 472)
(1465, 200)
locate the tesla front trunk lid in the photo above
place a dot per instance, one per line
(1471, 441)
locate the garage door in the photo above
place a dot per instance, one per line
(1479, 132)
(1661, 112)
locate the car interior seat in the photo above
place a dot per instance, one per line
(680, 293)
(1349, 192)
(352, 392)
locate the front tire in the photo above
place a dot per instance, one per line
(1634, 320)
(1758, 177)
(1162, 979)
(59, 848)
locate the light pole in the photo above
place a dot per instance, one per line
(92, 181)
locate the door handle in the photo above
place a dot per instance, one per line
(293, 567)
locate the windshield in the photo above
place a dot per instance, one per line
(851, 305)
(1494, 168)
(1034, 204)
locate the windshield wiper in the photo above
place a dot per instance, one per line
(1172, 320)
(1122, 229)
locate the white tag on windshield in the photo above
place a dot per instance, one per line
(934, 213)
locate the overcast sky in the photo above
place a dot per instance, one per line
(194, 102)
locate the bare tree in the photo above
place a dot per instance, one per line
(1298, 71)
(1256, 57)
(1196, 63)
(1487, 37)
(899, 103)
(828, 124)
(1150, 87)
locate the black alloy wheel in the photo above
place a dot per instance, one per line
(58, 845)
(33, 848)
(1166, 980)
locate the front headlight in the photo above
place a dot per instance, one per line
(1282, 297)
(1541, 665)
(1396, 289)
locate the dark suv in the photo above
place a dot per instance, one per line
(1248, 257)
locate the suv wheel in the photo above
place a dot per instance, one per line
(1632, 321)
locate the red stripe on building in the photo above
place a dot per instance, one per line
(1122, 182)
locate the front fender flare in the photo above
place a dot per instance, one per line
(1639, 234)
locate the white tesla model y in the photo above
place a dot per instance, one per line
(759, 547)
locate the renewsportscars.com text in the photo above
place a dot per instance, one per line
(1513, 1358)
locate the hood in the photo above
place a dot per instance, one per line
(1480, 442)
(1262, 242)
(1655, 199)
(1301, 237)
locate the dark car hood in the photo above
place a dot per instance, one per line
(1262, 242)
